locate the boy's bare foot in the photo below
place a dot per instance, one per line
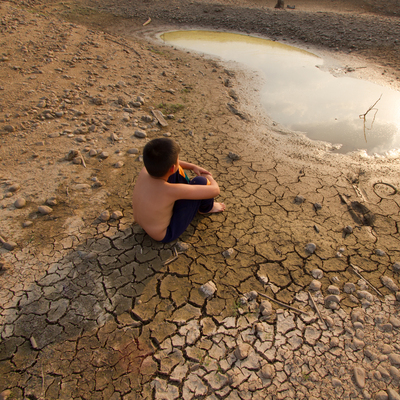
(217, 207)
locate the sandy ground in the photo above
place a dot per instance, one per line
(78, 78)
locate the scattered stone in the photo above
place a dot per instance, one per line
(315, 285)
(396, 266)
(233, 156)
(9, 245)
(250, 296)
(381, 395)
(228, 253)
(116, 215)
(393, 395)
(182, 246)
(104, 216)
(317, 206)
(119, 164)
(299, 199)
(92, 153)
(348, 230)
(310, 248)
(20, 203)
(332, 289)
(52, 201)
(103, 155)
(388, 282)
(380, 253)
(133, 151)
(359, 376)
(45, 210)
(26, 224)
(317, 274)
(140, 134)
(208, 289)
(266, 308)
(349, 287)
(71, 155)
(8, 128)
(14, 188)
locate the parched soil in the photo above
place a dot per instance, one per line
(90, 305)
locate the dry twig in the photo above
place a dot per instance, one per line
(364, 116)
(356, 269)
(316, 308)
(282, 304)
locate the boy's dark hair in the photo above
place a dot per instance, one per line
(159, 155)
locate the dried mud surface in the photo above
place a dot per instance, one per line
(91, 307)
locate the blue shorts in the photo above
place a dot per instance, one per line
(185, 210)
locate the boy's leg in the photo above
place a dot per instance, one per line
(185, 210)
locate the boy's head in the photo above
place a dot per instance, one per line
(159, 155)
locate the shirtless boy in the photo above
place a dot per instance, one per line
(164, 200)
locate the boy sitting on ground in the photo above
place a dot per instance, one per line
(164, 200)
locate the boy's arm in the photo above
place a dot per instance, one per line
(180, 191)
(195, 168)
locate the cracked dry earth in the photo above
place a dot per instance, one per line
(92, 308)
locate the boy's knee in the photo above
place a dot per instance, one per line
(199, 180)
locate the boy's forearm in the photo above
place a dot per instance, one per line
(186, 165)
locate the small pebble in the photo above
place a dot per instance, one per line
(10, 246)
(104, 216)
(20, 203)
(317, 273)
(317, 206)
(116, 215)
(119, 164)
(299, 199)
(133, 151)
(45, 210)
(310, 248)
(14, 188)
(359, 376)
(315, 285)
(140, 134)
(233, 156)
(208, 289)
(380, 253)
(228, 253)
(26, 224)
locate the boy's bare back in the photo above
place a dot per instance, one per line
(153, 199)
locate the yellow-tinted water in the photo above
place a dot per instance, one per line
(302, 96)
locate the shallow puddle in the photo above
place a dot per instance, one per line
(300, 95)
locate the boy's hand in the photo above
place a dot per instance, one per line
(200, 171)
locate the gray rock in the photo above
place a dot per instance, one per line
(359, 376)
(317, 206)
(182, 246)
(233, 156)
(317, 273)
(349, 287)
(228, 253)
(208, 289)
(133, 151)
(103, 155)
(389, 283)
(332, 289)
(10, 245)
(348, 230)
(380, 253)
(266, 308)
(310, 248)
(140, 134)
(26, 224)
(299, 199)
(250, 296)
(119, 164)
(396, 266)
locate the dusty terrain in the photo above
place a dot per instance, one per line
(92, 308)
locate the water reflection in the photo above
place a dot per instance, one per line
(303, 97)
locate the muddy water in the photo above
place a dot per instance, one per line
(304, 95)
